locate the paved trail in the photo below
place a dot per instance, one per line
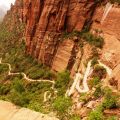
(77, 81)
(28, 79)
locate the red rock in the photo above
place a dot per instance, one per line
(46, 20)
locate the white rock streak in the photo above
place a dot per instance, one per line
(106, 11)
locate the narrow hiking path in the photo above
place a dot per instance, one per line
(77, 81)
(78, 77)
(24, 75)
(30, 80)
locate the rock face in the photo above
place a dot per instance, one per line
(111, 32)
(46, 20)
(12, 112)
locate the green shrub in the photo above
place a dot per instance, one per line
(95, 81)
(48, 75)
(96, 114)
(39, 73)
(19, 99)
(112, 118)
(62, 79)
(62, 104)
(62, 82)
(110, 100)
(36, 86)
(98, 92)
(93, 40)
(4, 89)
(3, 68)
(84, 97)
(97, 41)
(37, 106)
(18, 86)
(94, 61)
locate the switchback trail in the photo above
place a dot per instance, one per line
(77, 81)
(78, 77)
(28, 79)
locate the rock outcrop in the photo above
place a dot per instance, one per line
(110, 29)
(12, 112)
(46, 21)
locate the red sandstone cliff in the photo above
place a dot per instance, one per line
(46, 20)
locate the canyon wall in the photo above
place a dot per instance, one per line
(46, 21)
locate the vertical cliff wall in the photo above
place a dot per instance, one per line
(46, 21)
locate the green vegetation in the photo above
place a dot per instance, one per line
(84, 97)
(94, 61)
(21, 92)
(62, 82)
(96, 114)
(31, 94)
(94, 81)
(39, 72)
(3, 71)
(61, 104)
(18, 86)
(94, 40)
(4, 89)
(12, 50)
(3, 68)
(98, 92)
(113, 118)
(110, 100)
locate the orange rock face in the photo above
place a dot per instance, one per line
(46, 20)
(110, 28)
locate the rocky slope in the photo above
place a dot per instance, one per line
(12, 112)
(46, 21)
